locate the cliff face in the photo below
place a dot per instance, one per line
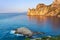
(46, 10)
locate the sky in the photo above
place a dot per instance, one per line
(9, 6)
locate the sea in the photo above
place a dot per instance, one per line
(11, 21)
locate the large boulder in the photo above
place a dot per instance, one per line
(25, 32)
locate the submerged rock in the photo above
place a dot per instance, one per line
(26, 32)
(36, 39)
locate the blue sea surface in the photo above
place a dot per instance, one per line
(11, 21)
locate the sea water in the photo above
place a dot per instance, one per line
(11, 21)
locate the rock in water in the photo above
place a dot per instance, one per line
(24, 31)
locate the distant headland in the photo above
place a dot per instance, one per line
(46, 10)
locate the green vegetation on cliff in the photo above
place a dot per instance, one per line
(45, 38)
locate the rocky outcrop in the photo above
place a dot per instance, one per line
(26, 32)
(46, 10)
(58, 15)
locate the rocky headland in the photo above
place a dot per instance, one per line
(46, 10)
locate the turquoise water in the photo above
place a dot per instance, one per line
(11, 21)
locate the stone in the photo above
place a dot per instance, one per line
(26, 32)
(58, 15)
(46, 10)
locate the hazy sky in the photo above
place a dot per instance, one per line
(20, 5)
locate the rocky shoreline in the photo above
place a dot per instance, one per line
(45, 38)
(46, 10)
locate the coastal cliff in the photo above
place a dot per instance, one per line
(46, 10)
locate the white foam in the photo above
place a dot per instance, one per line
(12, 32)
(19, 34)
